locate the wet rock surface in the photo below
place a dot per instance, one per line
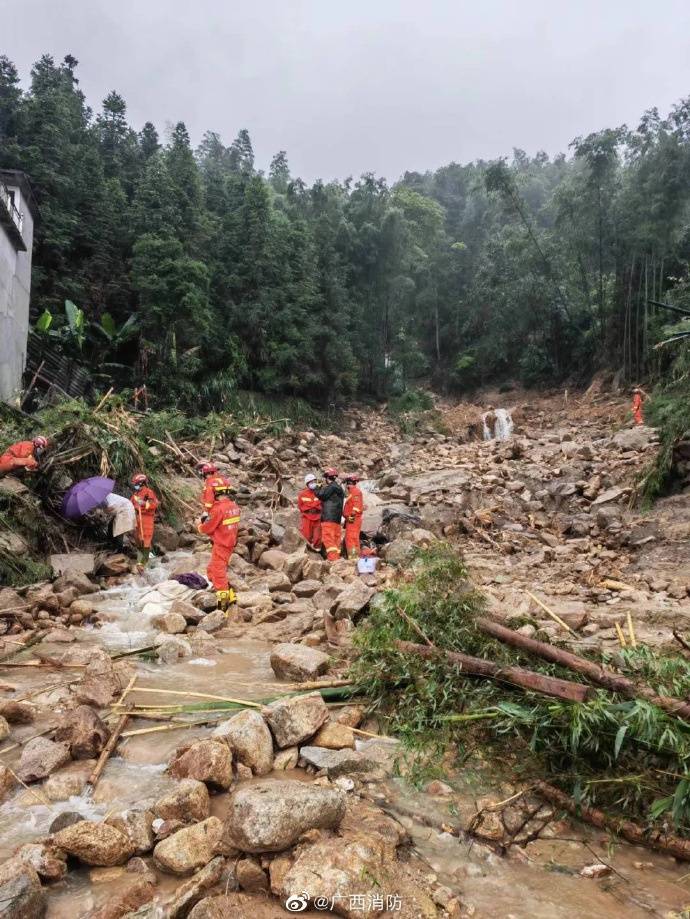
(547, 511)
(272, 816)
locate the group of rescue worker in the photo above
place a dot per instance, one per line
(330, 515)
(325, 506)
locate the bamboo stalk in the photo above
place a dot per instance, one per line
(637, 835)
(621, 636)
(631, 631)
(21, 743)
(107, 750)
(34, 640)
(517, 676)
(197, 695)
(550, 613)
(595, 672)
(38, 795)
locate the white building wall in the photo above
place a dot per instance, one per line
(15, 287)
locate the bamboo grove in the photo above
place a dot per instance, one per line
(198, 273)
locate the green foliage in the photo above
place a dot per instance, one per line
(669, 410)
(623, 754)
(199, 275)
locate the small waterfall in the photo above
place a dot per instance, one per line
(497, 424)
(504, 424)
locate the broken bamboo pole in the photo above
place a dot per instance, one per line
(637, 835)
(517, 676)
(595, 672)
(107, 750)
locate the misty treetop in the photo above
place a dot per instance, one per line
(202, 274)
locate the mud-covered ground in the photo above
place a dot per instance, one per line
(305, 797)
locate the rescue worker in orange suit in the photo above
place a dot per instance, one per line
(145, 502)
(212, 479)
(221, 523)
(332, 497)
(352, 511)
(23, 455)
(639, 398)
(310, 511)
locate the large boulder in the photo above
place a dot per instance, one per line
(188, 801)
(40, 757)
(81, 562)
(337, 762)
(171, 623)
(298, 662)
(294, 720)
(75, 580)
(350, 603)
(272, 816)
(250, 739)
(273, 559)
(137, 826)
(190, 848)
(95, 843)
(166, 538)
(192, 891)
(100, 683)
(208, 761)
(49, 862)
(83, 731)
(190, 613)
(353, 871)
(21, 895)
(334, 736)
(306, 589)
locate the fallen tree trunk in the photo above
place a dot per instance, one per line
(593, 671)
(518, 676)
(637, 835)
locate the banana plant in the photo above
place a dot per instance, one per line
(107, 327)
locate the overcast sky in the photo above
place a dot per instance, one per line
(369, 85)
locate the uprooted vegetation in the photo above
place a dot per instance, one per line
(626, 755)
(112, 440)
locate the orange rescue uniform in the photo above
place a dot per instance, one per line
(222, 525)
(211, 482)
(352, 512)
(145, 503)
(310, 509)
(18, 456)
(637, 408)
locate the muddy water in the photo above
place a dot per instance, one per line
(136, 776)
(541, 882)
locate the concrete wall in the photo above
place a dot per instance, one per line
(15, 287)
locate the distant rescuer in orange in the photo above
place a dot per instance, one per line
(352, 512)
(310, 511)
(145, 502)
(332, 497)
(638, 400)
(221, 523)
(23, 455)
(212, 478)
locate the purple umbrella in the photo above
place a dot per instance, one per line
(85, 496)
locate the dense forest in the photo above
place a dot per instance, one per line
(196, 272)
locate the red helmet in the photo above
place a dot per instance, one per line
(208, 468)
(351, 477)
(139, 479)
(330, 472)
(41, 442)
